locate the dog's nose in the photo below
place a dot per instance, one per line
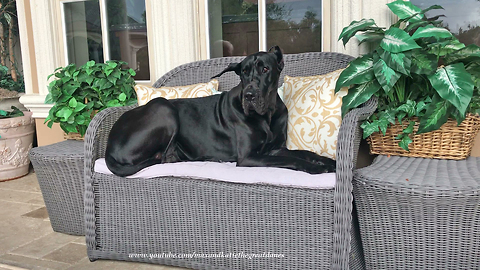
(249, 96)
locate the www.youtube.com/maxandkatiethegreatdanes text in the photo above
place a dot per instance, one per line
(239, 255)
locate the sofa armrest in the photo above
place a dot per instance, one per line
(95, 145)
(348, 142)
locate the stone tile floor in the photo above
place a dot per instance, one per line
(27, 240)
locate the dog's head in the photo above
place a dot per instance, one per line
(259, 74)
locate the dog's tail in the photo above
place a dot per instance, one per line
(126, 170)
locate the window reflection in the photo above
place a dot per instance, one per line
(233, 27)
(83, 32)
(296, 26)
(127, 30)
(462, 17)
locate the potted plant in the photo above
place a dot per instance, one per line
(10, 90)
(16, 139)
(418, 70)
(78, 93)
(11, 79)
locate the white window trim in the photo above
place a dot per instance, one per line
(105, 39)
(262, 26)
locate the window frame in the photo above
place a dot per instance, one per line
(105, 39)
(262, 27)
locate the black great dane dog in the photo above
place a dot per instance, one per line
(247, 125)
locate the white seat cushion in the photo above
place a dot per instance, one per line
(228, 172)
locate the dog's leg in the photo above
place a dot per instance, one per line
(307, 156)
(142, 137)
(284, 162)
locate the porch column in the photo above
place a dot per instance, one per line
(38, 32)
(343, 12)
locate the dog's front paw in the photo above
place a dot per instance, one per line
(320, 168)
(330, 168)
(325, 167)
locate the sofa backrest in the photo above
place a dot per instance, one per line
(302, 64)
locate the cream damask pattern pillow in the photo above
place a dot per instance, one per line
(314, 112)
(147, 93)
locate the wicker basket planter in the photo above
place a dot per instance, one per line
(448, 142)
(73, 136)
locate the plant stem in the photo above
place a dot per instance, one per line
(2, 60)
(13, 72)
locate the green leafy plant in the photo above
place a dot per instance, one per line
(15, 112)
(416, 68)
(12, 79)
(80, 92)
(7, 82)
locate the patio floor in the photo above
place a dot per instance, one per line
(27, 240)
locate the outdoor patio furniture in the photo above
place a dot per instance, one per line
(59, 168)
(145, 220)
(417, 213)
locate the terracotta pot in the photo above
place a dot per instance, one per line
(15, 142)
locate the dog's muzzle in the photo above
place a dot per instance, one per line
(253, 102)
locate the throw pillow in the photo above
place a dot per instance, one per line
(314, 113)
(147, 93)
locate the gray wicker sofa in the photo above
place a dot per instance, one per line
(163, 218)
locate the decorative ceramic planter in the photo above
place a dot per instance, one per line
(7, 103)
(15, 142)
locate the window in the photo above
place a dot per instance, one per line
(83, 32)
(462, 18)
(122, 22)
(296, 26)
(242, 27)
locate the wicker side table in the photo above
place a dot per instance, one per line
(59, 168)
(417, 213)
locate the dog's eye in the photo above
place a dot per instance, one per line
(265, 69)
(244, 71)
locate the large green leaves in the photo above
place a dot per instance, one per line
(467, 54)
(454, 84)
(370, 37)
(405, 9)
(432, 31)
(423, 63)
(400, 62)
(359, 94)
(386, 76)
(359, 71)
(431, 8)
(435, 116)
(445, 47)
(350, 31)
(396, 40)
(474, 70)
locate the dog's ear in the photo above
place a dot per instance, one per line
(278, 53)
(232, 67)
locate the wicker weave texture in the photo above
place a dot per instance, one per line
(417, 213)
(304, 64)
(59, 168)
(312, 228)
(201, 216)
(449, 142)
